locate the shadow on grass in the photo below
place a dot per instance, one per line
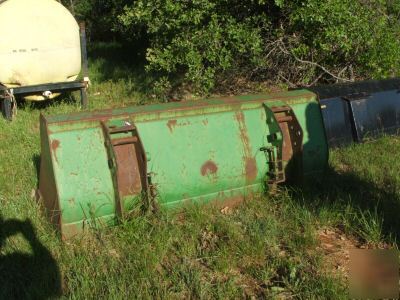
(379, 204)
(27, 276)
(368, 210)
(372, 210)
(121, 61)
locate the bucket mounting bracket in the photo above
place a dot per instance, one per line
(285, 139)
(127, 162)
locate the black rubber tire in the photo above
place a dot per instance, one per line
(84, 99)
(6, 108)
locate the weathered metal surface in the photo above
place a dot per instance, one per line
(96, 167)
(292, 142)
(359, 111)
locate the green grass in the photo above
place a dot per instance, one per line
(266, 248)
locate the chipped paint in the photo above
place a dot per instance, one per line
(251, 169)
(208, 168)
(55, 144)
(171, 125)
(249, 162)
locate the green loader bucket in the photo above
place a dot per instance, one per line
(97, 167)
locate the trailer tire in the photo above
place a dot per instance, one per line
(7, 108)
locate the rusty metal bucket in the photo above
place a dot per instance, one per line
(98, 167)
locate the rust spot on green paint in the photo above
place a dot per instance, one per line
(250, 164)
(243, 133)
(209, 167)
(55, 144)
(251, 169)
(171, 125)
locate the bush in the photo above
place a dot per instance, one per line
(100, 16)
(353, 38)
(198, 40)
(209, 44)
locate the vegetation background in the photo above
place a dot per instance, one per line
(219, 45)
(291, 245)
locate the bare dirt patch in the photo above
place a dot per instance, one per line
(336, 247)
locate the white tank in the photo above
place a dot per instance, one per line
(39, 43)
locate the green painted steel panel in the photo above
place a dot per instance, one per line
(84, 181)
(315, 148)
(206, 154)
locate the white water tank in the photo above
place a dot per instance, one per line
(39, 43)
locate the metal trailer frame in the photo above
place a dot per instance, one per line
(8, 95)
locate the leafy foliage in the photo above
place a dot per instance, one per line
(209, 44)
(199, 39)
(100, 16)
(353, 35)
